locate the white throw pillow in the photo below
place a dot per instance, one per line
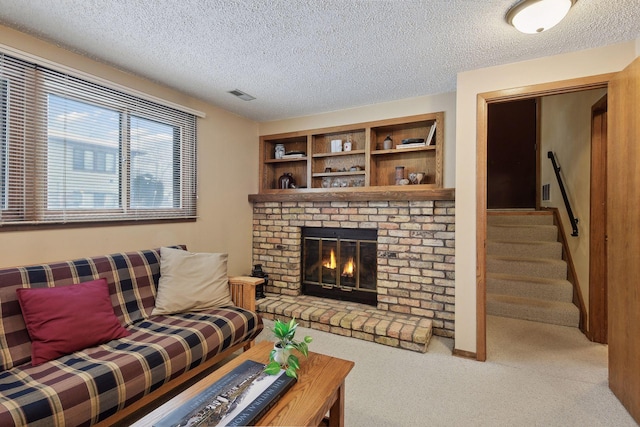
(191, 281)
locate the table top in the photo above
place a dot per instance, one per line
(306, 403)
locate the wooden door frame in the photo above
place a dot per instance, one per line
(598, 321)
(483, 99)
(538, 157)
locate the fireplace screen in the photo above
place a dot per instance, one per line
(340, 263)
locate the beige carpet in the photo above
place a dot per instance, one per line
(536, 375)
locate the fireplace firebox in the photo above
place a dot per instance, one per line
(340, 263)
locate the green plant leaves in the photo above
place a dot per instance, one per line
(302, 348)
(293, 362)
(285, 333)
(272, 368)
(280, 329)
(291, 372)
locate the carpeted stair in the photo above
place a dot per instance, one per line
(526, 275)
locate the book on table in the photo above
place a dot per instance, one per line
(240, 398)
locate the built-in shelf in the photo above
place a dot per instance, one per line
(345, 173)
(396, 151)
(417, 192)
(338, 154)
(324, 169)
(297, 159)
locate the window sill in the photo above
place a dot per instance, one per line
(16, 226)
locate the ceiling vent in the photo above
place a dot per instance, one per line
(240, 94)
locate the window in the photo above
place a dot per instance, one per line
(3, 144)
(78, 137)
(76, 151)
(153, 149)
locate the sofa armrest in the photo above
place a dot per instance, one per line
(243, 291)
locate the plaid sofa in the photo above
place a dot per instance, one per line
(90, 385)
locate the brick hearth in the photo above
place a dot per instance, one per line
(416, 245)
(350, 319)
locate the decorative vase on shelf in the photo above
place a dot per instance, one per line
(387, 144)
(286, 181)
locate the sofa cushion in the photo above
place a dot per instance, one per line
(191, 281)
(88, 386)
(132, 278)
(65, 319)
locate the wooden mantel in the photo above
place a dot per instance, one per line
(364, 194)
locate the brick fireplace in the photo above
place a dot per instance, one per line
(340, 263)
(415, 251)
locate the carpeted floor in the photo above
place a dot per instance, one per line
(535, 375)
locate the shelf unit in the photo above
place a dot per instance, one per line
(273, 168)
(368, 164)
(338, 169)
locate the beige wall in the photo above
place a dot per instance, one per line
(227, 173)
(470, 84)
(566, 130)
(406, 107)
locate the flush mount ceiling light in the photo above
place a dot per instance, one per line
(240, 94)
(536, 16)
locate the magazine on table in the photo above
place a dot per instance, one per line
(240, 398)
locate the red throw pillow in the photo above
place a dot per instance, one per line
(68, 318)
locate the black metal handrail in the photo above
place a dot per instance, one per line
(556, 169)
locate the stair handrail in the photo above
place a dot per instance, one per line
(556, 169)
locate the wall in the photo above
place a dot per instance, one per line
(227, 172)
(470, 84)
(406, 107)
(566, 130)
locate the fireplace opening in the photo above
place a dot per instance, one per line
(340, 263)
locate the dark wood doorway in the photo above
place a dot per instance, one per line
(598, 313)
(512, 134)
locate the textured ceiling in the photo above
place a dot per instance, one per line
(302, 57)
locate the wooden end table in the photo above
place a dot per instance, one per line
(319, 389)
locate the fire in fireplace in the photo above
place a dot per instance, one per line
(340, 263)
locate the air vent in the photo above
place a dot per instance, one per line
(546, 193)
(240, 94)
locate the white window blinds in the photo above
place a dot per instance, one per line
(76, 151)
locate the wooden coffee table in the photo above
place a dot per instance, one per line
(319, 389)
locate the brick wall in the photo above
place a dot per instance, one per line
(416, 247)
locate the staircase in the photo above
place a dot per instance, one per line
(526, 275)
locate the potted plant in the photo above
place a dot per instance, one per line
(281, 357)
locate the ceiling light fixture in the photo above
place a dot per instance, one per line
(536, 16)
(240, 94)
